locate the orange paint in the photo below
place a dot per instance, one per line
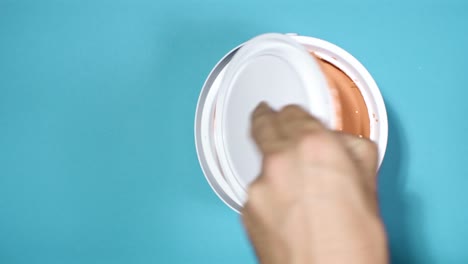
(351, 110)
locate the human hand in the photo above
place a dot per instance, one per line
(315, 199)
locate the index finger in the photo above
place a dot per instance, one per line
(264, 129)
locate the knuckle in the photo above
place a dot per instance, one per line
(292, 109)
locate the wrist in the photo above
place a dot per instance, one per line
(335, 234)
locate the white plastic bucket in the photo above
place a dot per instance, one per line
(205, 118)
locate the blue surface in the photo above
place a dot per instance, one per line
(97, 99)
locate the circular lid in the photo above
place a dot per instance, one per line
(275, 69)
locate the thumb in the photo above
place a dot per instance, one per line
(364, 152)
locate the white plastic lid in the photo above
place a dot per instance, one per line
(270, 68)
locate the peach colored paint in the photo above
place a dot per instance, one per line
(351, 110)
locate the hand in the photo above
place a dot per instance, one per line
(315, 199)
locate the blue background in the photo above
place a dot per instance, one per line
(97, 99)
